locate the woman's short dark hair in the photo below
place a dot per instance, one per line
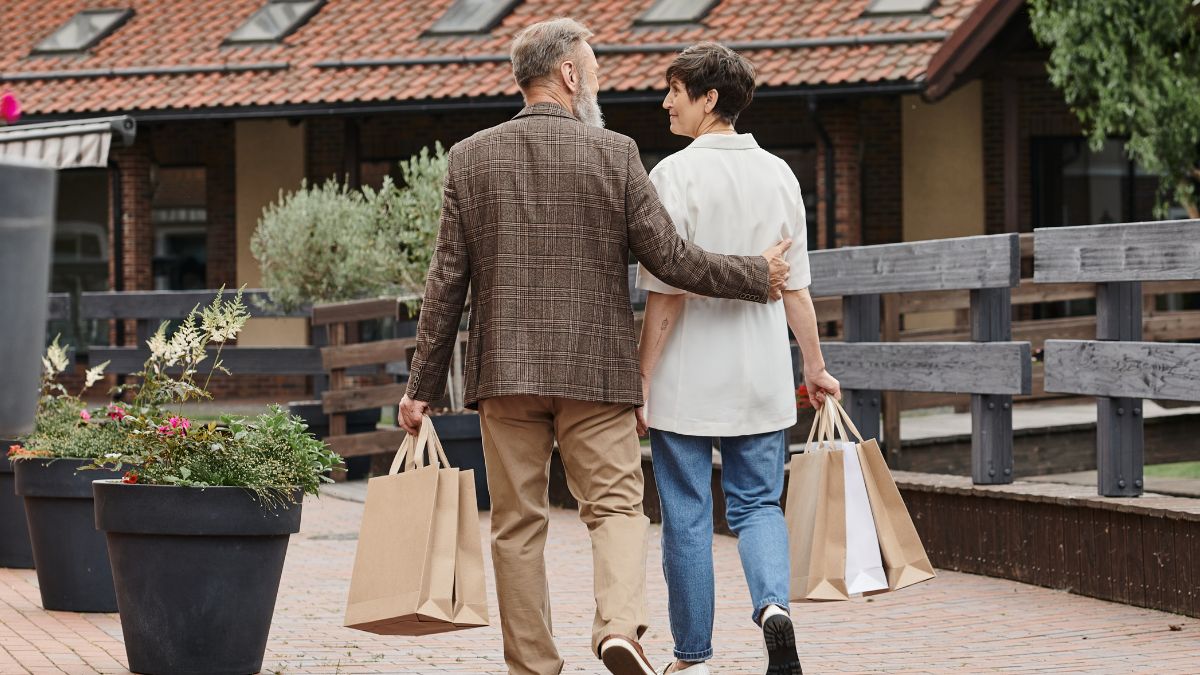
(708, 65)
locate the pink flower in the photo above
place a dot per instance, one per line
(116, 412)
(175, 425)
(85, 415)
(10, 108)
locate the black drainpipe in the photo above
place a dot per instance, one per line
(830, 187)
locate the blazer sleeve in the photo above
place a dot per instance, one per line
(677, 262)
(441, 308)
(672, 201)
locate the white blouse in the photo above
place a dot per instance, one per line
(726, 369)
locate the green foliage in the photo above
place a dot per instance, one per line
(272, 455)
(329, 243)
(1131, 68)
(62, 425)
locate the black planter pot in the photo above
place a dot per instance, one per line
(69, 554)
(463, 442)
(197, 572)
(15, 550)
(358, 421)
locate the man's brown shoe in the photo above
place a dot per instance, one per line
(623, 656)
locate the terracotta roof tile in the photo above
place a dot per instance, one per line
(185, 33)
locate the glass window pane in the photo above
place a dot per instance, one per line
(677, 11)
(275, 20)
(472, 16)
(83, 30)
(898, 7)
(80, 261)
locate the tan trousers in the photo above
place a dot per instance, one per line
(603, 460)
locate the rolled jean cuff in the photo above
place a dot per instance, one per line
(694, 657)
(782, 604)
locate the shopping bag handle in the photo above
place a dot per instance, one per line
(821, 429)
(842, 415)
(411, 454)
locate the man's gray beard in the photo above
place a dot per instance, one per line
(587, 109)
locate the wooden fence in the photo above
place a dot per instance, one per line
(1117, 367)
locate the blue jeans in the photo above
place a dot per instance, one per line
(752, 479)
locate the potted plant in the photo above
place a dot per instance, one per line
(357, 244)
(199, 522)
(69, 554)
(15, 550)
(323, 244)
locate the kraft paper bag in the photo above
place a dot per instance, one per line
(816, 520)
(904, 556)
(470, 589)
(404, 568)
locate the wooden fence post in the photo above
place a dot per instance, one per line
(1119, 429)
(861, 323)
(991, 414)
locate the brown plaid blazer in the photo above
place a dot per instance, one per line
(538, 217)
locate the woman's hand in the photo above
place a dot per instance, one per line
(643, 423)
(821, 384)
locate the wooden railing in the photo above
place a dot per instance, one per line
(146, 309)
(1118, 367)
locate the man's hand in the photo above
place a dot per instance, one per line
(412, 413)
(778, 267)
(821, 384)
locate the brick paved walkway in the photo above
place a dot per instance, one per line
(957, 623)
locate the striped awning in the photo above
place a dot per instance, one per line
(68, 144)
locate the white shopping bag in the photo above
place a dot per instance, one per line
(864, 564)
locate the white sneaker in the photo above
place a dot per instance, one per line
(779, 642)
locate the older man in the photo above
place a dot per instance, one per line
(538, 218)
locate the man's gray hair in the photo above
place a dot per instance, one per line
(539, 49)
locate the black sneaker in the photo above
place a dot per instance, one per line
(779, 641)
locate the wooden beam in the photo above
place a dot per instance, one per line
(239, 360)
(356, 310)
(965, 368)
(366, 353)
(945, 264)
(158, 305)
(1155, 251)
(363, 397)
(60, 307)
(1123, 369)
(369, 443)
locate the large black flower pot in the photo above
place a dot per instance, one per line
(69, 553)
(463, 442)
(15, 550)
(197, 572)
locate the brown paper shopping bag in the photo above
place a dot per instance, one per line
(470, 589)
(816, 520)
(404, 568)
(904, 556)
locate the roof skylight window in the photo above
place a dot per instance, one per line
(465, 17)
(882, 7)
(275, 21)
(676, 11)
(83, 31)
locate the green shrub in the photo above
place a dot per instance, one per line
(329, 243)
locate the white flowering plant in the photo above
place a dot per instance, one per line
(63, 425)
(273, 454)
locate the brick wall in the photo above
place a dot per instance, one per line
(1041, 112)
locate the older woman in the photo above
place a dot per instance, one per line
(720, 369)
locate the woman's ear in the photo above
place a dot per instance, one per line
(710, 100)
